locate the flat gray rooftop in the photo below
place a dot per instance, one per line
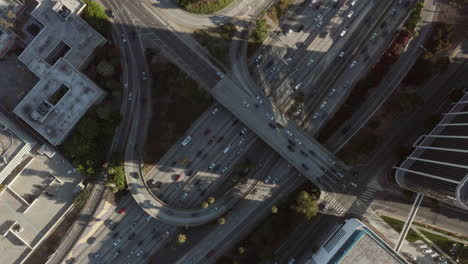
(367, 251)
(36, 200)
(54, 122)
(72, 30)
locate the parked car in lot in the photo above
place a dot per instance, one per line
(427, 250)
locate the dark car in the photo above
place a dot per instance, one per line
(134, 175)
(303, 153)
(210, 253)
(116, 234)
(176, 177)
(291, 142)
(195, 214)
(220, 139)
(197, 182)
(299, 30)
(198, 153)
(173, 163)
(189, 173)
(305, 166)
(234, 122)
(291, 148)
(272, 126)
(210, 141)
(131, 236)
(279, 125)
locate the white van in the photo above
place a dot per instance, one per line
(186, 141)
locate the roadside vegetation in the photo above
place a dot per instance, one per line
(203, 6)
(276, 11)
(446, 245)
(414, 17)
(396, 224)
(177, 101)
(258, 35)
(260, 245)
(217, 41)
(96, 16)
(116, 177)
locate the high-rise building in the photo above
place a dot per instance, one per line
(438, 166)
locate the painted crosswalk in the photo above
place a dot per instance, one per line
(334, 206)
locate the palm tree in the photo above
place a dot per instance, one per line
(221, 221)
(274, 209)
(211, 200)
(181, 238)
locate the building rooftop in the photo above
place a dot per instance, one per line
(13, 145)
(55, 55)
(354, 243)
(58, 100)
(61, 27)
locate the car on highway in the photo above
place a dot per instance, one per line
(299, 142)
(121, 210)
(184, 196)
(226, 150)
(322, 106)
(305, 166)
(241, 141)
(212, 165)
(243, 131)
(272, 126)
(117, 242)
(346, 85)
(225, 168)
(213, 209)
(423, 246)
(353, 184)
(259, 58)
(332, 92)
(130, 96)
(319, 24)
(291, 148)
(353, 2)
(310, 62)
(292, 261)
(215, 111)
(317, 18)
(244, 103)
(186, 141)
(435, 254)
(259, 100)
(343, 32)
(315, 116)
(289, 133)
(350, 14)
(298, 86)
(269, 116)
(143, 76)
(303, 153)
(122, 36)
(353, 63)
(393, 12)
(427, 250)
(220, 139)
(220, 75)
(341, 54)
(206, 132)
(148, 218)
(139, 253)
(210, 253)
(288, 60)
(373, 36)
(71, 171)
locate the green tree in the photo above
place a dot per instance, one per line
(205, 205)
(241, 250)
(222, 221)
(274, 209)
(81, 198)
(89, 128)
(305, 205)
(105, 69)
(10, 15)
(181, 238)
(117, 176)
(211, 200)
(96, 17)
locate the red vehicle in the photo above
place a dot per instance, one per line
(177, 177)
(122, 210)
(210, 253)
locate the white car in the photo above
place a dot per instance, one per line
(143, 76)
(215, 111)
(316, 115)
(212, 165)
(289, 133)
(350, 14)
(71, 171)
(373, 36)
(310, 62)
(220, 75)
(259, 58)
(346, 85)
(288, 60)
(184, 196)
(267, 180)
(244, 103)
(332, 92)
(353, 2)
(148, 218)
(226, 150)
(259, 100)
(117, 242)
(139, 253)
(298, 86)
(299, 142)
(320, 23)
(269, 116)
(317, 18)
(186, 141)
(292, 261)
(427, 250)
(224, 170)
(130, 96)
(341, 54)
(324, 103)
(122, 36)
(343, 32)
(352, 64)
(353, 184)
(435, 254)
(423, 246)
